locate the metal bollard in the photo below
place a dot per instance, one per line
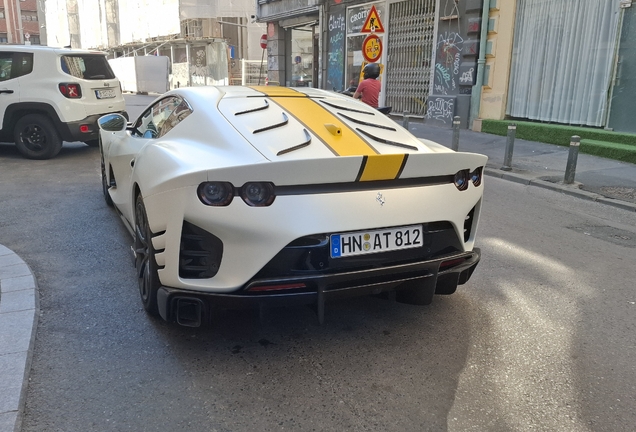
(456, 123)
(405, 120)
(510, 145)
(570, 168)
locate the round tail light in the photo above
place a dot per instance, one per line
(218, 194)
(461, 180)
(258, 194)
(476, 176)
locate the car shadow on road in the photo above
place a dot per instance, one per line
(373, 365)
(10, 151)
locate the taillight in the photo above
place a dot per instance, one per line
(70, 91)
(218, 194)
(461, 180)
(84, 128)
(258, 194)
(445, 265)
(264, 288)
(476, 176)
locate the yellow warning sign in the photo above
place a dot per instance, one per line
(373, 23)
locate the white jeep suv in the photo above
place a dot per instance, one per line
(49, 95)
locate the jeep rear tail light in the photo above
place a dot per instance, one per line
(71, 91)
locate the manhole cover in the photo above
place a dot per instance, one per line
(608, 233)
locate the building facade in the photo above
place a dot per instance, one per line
(428, 49)
(559, 62)
(205, 41)
(542, 60)
(21, 22)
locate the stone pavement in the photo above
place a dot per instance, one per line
(535, 164)
(19, 311)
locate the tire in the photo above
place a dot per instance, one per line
(36, 137)
(147, 276)
(105, 185)
(92, 143)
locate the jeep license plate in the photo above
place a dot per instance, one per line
(105, 94)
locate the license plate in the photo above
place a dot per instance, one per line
(105, 94)
(382, 240)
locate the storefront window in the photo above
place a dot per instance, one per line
(302, 56)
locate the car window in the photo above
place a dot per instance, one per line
(180, 112)
(6, 63)
(24, 64)
(152, 122)
(87, 66)
(15, 64)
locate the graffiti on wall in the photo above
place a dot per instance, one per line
(441, 108)
(335, 49)
(448, 54)
(467, 77)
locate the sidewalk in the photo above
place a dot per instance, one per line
(597, 179)
(536, 164)
(18, 321)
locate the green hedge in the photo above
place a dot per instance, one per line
(610, 150)
(555, 133)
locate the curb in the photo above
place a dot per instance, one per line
(19, 310)
(571, 190)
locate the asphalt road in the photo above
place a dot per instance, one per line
(543, 337)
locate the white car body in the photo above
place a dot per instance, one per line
(337, 166)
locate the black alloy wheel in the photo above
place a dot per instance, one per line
(148, 278)
(36, 137)
(105, 185)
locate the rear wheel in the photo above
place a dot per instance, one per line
(147, 276)
(36, 137)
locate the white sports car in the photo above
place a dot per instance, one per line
(247, 196)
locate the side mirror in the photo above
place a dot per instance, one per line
(112, 123)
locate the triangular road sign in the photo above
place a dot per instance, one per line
(373, 23)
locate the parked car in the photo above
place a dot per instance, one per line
(244, 196)
(50, 95)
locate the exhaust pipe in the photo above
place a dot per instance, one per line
(188, 311)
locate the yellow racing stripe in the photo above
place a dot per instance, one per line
(382, 167)
(273, 91)
(339, 137)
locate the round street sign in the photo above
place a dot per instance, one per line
(27, 35)
(372, 48)
(264, 41)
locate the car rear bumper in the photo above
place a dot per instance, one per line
(440, 273)
(71, 131)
